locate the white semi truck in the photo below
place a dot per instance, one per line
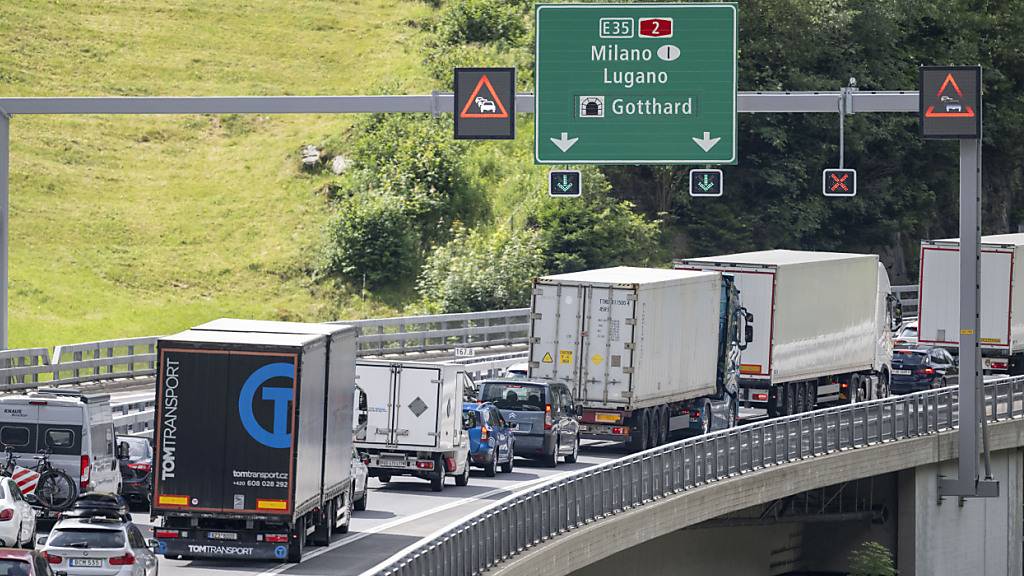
(646, 352)
(824, 326)
(1002, 299)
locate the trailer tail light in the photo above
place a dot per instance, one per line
(86, 469)
(6, 514)
(166, 534)
(485, 433)
(620, 430)
(547, 417)
(997, 364)
(761, 397)
(126, 560)
(277, 538)
(425, 464)
(52, 558)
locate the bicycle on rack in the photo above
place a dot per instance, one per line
(55, 489)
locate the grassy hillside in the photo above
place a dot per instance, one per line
(125, 226)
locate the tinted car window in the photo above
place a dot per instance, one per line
(135, 537)
(492, 417)
(907, 358)
(471, 418)
(138, 448)
(510, 396)
(15, 567)
(16, 436)
(60, 438)
(86, 538)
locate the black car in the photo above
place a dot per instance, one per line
(137, 470)
(922, 368)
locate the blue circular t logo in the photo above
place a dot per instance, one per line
(279, 437)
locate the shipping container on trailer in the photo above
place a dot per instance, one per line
(1002, 299)
(636, 346)
(824, 322)
(245, 421)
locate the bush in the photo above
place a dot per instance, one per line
(594, 231)
(467, 21)
(478, 271)
(871, 559)
(372, 235)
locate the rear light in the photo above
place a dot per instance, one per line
(547, 417)
(141, 467)
(999, 365)
(761, 396)
(37, 402)
(449, 464)
(86, 469)
(165, 534)
(52, 558)
(485, 433)
(621, 430)
(366, 460)
(6, 514)
(127, 560)
(925, 372)
(425, 464)
(277, 538)
(844, 385)
(694, 413)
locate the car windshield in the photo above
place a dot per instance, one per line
(509, 396)
(138, 448)
(908, 358)
(86, 538)
(14, 567)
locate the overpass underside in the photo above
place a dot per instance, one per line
(805, 517)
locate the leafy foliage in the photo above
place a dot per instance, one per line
(480, 21)
(480, 271)
(871, 559)
(371, 235)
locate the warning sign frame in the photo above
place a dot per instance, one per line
(496, 124)
(938, 123)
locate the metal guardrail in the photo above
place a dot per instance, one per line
(408, 334)
(74, 364)
(908, 297)
(523, 520)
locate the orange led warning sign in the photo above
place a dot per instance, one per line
(951, 103)
(480, 106)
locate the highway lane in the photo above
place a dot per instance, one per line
(398, 514)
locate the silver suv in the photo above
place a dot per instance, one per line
(99, 545)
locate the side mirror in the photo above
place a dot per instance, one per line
(152, 543)
(467, 423)
(41, 540)
(748, 333)
(122, 450)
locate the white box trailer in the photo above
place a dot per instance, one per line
(636, 346)
(1002, 299)
(823, 326)
(413, 420)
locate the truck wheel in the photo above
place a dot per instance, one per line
(883, 385)
(789, 399)
(437, 480)
(734, 414)
(810, 396)
(663, 431)
(774, 402)
(572, 458)
(324, 527)
(360, 504)
(799, 390)
(384, 478)
(638, 432)
(463, 479)
(346, 503)
(298, 541)
(707, 419)
(853, 392)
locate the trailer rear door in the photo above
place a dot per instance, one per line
(401, 402)
(556, 327)
(607, 357)
(939, 304)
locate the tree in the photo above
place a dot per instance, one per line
(481, 271)
(871, 559)
(371, 236)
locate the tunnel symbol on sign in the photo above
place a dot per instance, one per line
(591, 106)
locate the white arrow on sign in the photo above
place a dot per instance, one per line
(706, 143)
(564, 143)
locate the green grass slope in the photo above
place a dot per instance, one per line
(130, 225)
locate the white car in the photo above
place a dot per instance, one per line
(17, 517)
(907, 334)
(359, 478)
(100, 546)
(485, 105)
(520, 370)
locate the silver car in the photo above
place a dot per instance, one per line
(100, 546)
(359, 477)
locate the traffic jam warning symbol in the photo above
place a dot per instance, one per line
(839, 182)
(950, 101)
(485, 103)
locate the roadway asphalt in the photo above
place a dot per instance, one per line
(398, 514)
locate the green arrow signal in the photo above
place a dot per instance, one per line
(565, 185)
(706, 184)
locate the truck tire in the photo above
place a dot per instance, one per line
(297, 542)
(789, 399)
(346, 503)
(324, 526)
(463, 479)
(799, 397)
(663, 431)
(360, 504)
(774, 402)
(638, 432)
(437, 480)
(384, 478)
(811, 396)
(734, 414)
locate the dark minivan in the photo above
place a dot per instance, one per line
(544, 414)
(922, 368)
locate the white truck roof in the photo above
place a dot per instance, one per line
(1001, 239)
(778, 257)
(252, 338)
(623, 275)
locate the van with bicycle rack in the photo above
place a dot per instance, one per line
(74, 429)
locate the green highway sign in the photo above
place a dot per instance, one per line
(635, 84)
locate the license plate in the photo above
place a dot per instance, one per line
(902, 372)
(86, 562)
(392, 463)
(222, 535)
(523, 428)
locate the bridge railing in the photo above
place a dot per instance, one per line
(407, 334)
(523, 520)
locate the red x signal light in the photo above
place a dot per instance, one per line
(839, 182)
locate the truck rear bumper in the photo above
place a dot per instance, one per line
(205, 548)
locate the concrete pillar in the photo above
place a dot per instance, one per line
(980, 536)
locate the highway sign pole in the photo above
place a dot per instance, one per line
(5, 218)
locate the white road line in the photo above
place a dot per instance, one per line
(398, 521)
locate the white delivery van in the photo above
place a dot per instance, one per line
(77, 429)
(413, 420)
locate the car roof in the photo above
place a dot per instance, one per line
(15, 554)
(476, 405)
(108, 524)
(516, 381)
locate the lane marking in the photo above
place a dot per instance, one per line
(399, 521)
